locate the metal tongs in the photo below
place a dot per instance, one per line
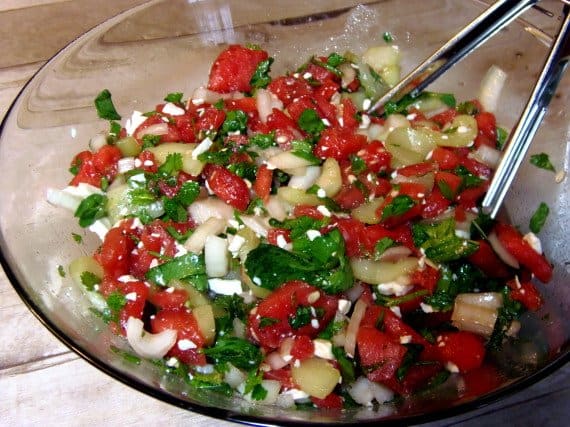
(486, 25)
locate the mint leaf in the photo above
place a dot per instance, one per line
(104, 105)
(381, 246)
(91, 209)
(542, 161)
(174, 97)
(237, 351)
(310, 122)
(261, 78)
(263, 140)
(187, 267)
(236, 121)
(398, 206)
(89, 280)
(538, 219)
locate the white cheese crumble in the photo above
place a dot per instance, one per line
(426, 308)
(126, 278)
(235, 244)
(313, 234)
(343, 306)
(324, 210)
(321, 193)
(405, 339)
(131, 296)
(366, 104)
(225, 286)
(101, 227)
(185, 344)
(396, 310)
(452, 367)
(464, 234)
(394, 288)
(296, 394)
(323, 349)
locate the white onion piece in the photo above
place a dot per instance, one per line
(486, 155)
(275, 361)
(257, 224)
(276, 208)
(216, 256)
(151, 346)
(348, 74)
(233, 376)
(62, 199)
(212, 207)
(395, 253)
(202, 95)
(501, 251)
(265, 103)
(156, 129)
(491, 87)
(352, 328)
(125, 164)
(197, 240)
(285, 349)
(364, 391)
(305, 181)
(354, 293)
(477, 312)
(286, 160)
(97, 142)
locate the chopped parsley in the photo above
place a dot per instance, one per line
(398, 206)
(104, 105)
(538, 219)
(174, 97)
(91, 209)
(261, 78)
(89, 280)
(542, 161)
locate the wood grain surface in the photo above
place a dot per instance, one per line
(41, 381)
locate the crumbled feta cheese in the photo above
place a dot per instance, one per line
(411, 116)
(426, 308)
(131, 296)
(326, 122)
(235, 244)
(396, 311)
(296, 394)
(202, 147)
(313, 234)
(185, 344)
(173, 109)
(323, 349)
(225, 286)
(464, 234)
(205, 369)
(101, 227)
(366, 104)
(127, 278)
(394, 288)
(462, 129)
(321, 193)
(172, 362)
(315, 323)
(405, 339)
(324, 210)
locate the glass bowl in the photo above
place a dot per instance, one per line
(168, 46)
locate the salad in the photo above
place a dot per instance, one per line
(268, 237)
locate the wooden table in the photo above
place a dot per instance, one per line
(41, 380)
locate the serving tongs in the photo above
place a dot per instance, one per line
(482, 28)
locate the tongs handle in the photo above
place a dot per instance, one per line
(492, 20)
(521, 136)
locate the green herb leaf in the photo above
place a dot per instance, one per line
(263, 140)
(502, 136)
(61, 270)
(539, 218)
(236, 121)
(445, 189)
(188, 267)
(542, 161)
(77, 238)
(440, 242)
(467, 107)
(301, 317)
(213, 382)
(398, 206)
(381, 246)
(468, 179)
(510, 310)
(89, 280)
(105, 108)
(149, 140)
(346, 365)
(410, 358)
(175, 97)
(264, 322)
(91, 209)
(171, 166)
(261, 78)
(332, 329)
(310, 122)
(237, 351)
(357, 164)
(387, 36)
(335, 59)
(304, 150)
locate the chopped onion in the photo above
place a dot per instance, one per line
(487, 155)
(62, 199)
(125, 164)
(352, 328)
(491, 87)
(257, 224)
(477, 312)
(286, 160)
(211, 207)
(97, 142)
(151, 346)
(395, 253)
(266, 102)
(275, 360)
(156, 129)
(364, 391)
(305, 181)
(501, 251)
(348, 74)
(216, 256)
(197, 240)
(275, 208)
(354, 293)
(233, 376)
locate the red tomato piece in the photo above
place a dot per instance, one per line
(168, 298)
(469, 197)
(233, 69)
(444, 117)
(114, 254)
(186, 326)
(274, 233)
(375, 155)
(282, 375)
(487, 130)
(514, 243)
(229, 187)
(379, 354)
(332, 401)
(349, 197)
(445, 158)
(435, 204)
(486, 259)
(338, 144)
(299, 105)
(281, 305)
(526, 293)
(303, 347)
(136, 294)
(87, 172)
(262, 184)
(464, 349)
(452, 181)
(417, 169)
(288, 88)
(306, 210)
(426, 278)
(349, 115)
(105, 160)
